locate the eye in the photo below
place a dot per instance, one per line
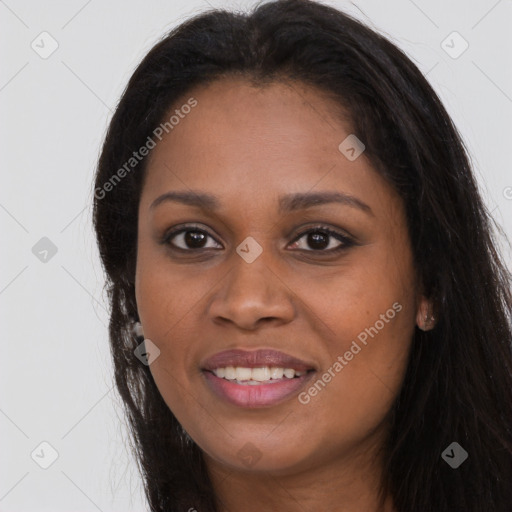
(322, 239)
(188, 238)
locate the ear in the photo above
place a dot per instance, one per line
(425, 318)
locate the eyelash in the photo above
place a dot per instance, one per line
(347, 242)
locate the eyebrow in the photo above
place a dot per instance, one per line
(287, 203)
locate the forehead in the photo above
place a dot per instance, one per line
(248, 143)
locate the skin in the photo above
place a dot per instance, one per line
(248, 145)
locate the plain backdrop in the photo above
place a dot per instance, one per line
(56, 374)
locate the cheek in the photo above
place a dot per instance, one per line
(171, 305)
(362, 378)
(163, 307)
(370, 311)
(371, 297)
(166, 294)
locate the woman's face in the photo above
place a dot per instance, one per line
(254, 269)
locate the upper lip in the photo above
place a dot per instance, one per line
(255, 359)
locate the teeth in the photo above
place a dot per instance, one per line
(289, 373)
(253, 376)
(243, 373)
(260, 374)
(229, 373)
(276, 373)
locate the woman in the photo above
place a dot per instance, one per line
(308, 311)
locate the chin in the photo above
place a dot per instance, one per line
(259, 455)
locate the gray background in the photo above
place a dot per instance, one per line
(56, 376)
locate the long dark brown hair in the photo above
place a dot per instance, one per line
(458, 383)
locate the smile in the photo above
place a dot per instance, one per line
(256, 387)
(255, 376)
(258, 378)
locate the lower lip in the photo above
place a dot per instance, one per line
(259, 395)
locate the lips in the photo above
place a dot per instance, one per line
(251, 394)
(255, 359)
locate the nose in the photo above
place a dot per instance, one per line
(252, 294)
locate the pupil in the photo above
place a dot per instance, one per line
(318, 240)
(194, 238)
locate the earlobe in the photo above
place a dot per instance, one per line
(137, 330)
(425, 318)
